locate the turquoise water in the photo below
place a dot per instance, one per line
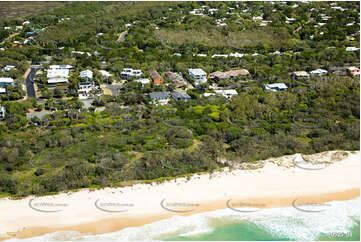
(246, 231)
(234, 232)
(271, 224)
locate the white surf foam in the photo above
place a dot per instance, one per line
(285, 222)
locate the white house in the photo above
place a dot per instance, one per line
(275, 87)
(88, 74)
(105, 73)
(8, 68)
(143, 81)
(219, 55)
(352, 48)
(57, 80)
(227, 93)
(2, 90)
(198, 75)
(57, 73)
(2, 112)
(84, 89)
(6, 80)
(60, 67)
(319, 72)
(129, 72)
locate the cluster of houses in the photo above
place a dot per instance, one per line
(340, 71)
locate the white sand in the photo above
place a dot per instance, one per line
(271, 181)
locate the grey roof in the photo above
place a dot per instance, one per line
(180, 95)
(159, 95)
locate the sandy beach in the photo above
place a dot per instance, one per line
(111, 209)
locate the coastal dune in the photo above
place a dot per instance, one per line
(305, 183)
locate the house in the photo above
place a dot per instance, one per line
(143, 81)
(318, 72)
(129, 73)
(300, 75)
(352, 48)
(207, 94)
(2, 112)
(84, 89)
(218, 75)
(88, 74)
(8, 68)
(57, 73)
(339, 71)
(60, 67)
(275, 87)
(159, 97)
(2, 90)
(227, 93)
(56, 80)
(198, 75)
(5, 81)
(176, 78)
(354, 71)
(105, 73)
(157, 79)
(180, 96)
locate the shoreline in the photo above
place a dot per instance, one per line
(140, 204)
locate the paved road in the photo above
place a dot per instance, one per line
(30, 83)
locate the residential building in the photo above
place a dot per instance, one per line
(352, 48)
(354, 71)
(227, 93)
(143, 81)
(129, 73)
(60, 67)
(198, 75)
(176, 78)
(339, 71)
(88, 74)
(157, 79)
(180, 96)
(300, 75)
(275, 87)
(2, 90)
(57, 80)
(105, 73)
(318, 72)
(8, 68)
(159, 97)
(4, 81)
(84, 90)
(228, 74)
(2, 112)
(57, 73)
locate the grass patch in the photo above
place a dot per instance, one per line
(18, 10)
(214, 36)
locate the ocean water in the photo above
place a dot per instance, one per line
(339, 221)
